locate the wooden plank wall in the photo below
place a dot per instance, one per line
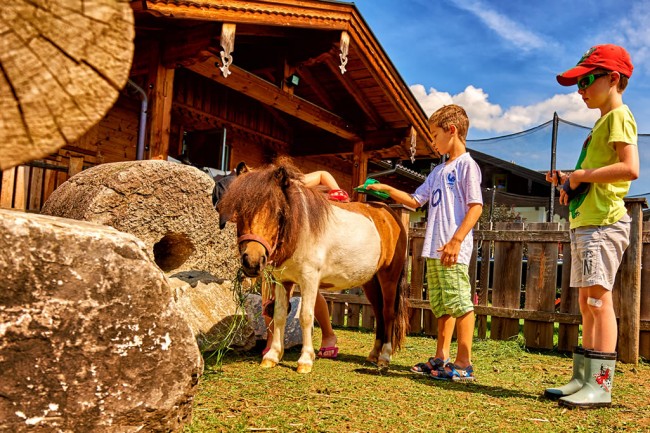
(27, 187)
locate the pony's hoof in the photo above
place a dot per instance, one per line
(382, 366)
(267, 363)
(372, 359)
(304, 368)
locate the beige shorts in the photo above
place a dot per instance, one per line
(597, 252)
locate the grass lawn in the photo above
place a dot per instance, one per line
(350, 395)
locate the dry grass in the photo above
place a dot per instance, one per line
(349, 395)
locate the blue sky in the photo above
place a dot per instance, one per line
(499, 59)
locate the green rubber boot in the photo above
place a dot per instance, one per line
(599, 380)
(576, 382)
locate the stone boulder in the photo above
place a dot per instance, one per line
(166, 205)
(90, 339)
(213, 310)
(292, 330)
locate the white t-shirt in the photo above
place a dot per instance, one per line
(449, 189)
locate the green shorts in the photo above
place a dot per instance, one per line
(450, 292)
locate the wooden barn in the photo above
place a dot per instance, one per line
(215, 82)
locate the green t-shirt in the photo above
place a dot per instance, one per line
(603, 204)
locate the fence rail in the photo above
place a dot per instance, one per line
(542, 244)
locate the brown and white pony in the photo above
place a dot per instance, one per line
(319, 244)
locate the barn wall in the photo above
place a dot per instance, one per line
(199, 104)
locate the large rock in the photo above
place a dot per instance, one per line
(213, 310)
(90, 339)
(167, 205)
(292, 330)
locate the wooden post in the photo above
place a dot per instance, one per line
(35, 189)
(429, 323)
(417, 280)
(568, 333)
(644, 338)
(353, 315)
(484, 285)
(22, 185)
(76, 165)
(7, 192)
(630, 318)
(49, 184)
(367, 317)
(359, 170)
(507, 283)
(162, 96)
(541, 278)
(338, 313)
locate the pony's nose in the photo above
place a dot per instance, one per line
(252, 266)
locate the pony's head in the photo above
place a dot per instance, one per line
(270, 205)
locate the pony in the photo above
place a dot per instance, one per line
(318, 244)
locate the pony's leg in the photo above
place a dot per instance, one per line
(275, 353)
(388, 287)
(373, 293)
(308, 293)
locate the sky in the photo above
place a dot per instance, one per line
(499, 59)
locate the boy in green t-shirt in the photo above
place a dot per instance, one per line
(600, 225)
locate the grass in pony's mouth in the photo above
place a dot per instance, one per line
(241, 287)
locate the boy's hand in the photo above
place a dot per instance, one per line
(449, 252)
(569, 191)
(556, 177)
(376, 187)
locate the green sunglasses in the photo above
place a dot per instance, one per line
(585, 82)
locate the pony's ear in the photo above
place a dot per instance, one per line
(282, 177)
(224, 216)
(242, 168)
(223, 219)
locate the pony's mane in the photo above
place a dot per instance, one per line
(279, 187)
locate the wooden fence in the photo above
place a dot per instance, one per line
(27, 187)
(531, 265)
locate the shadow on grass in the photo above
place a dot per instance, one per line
(400, 371)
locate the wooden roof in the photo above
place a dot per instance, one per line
(328, 111)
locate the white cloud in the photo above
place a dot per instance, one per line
(633, 33)
(502, 25)
(489, 117)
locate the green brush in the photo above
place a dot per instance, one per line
(379, 194)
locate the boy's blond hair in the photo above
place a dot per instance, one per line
(451, 115)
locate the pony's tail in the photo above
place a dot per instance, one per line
(402, 321)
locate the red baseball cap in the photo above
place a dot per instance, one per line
(608, 56)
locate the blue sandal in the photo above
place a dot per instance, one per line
(455, 373)
(429, 366)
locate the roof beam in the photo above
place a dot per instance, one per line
(353, 90)
(266, 93)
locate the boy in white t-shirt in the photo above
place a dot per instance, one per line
(453, 191)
